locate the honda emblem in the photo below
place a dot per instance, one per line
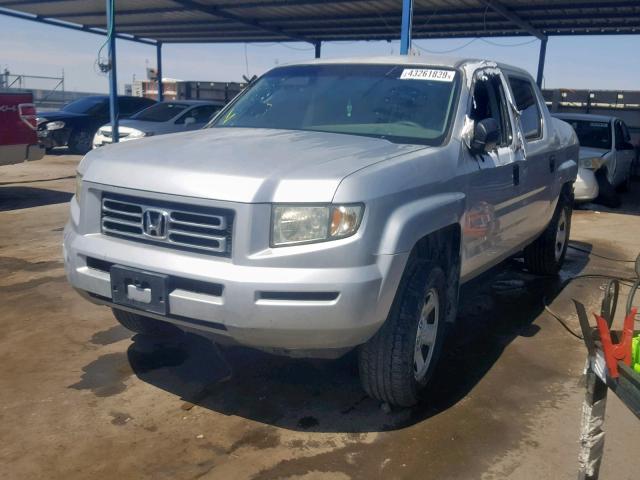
(155, 223)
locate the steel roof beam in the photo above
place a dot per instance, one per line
(361, 20)
(477, 22)
(508, 14)
(387, 37)
(218, 12)
(120, 13)
(424, 32)
(285, 3)
(71, 26)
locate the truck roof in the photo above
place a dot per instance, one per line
(426, 60)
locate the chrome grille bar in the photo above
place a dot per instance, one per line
(186, 226)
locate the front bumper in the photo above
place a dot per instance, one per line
(585, 187)
(54, 138)
(11, 154)
(308, 312)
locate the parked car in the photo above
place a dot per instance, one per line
(606, 155)
(18, 139)
(161, 118)
(332, 205)
(75, 125)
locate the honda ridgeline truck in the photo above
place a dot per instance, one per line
(332, 205)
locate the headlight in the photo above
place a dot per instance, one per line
(78, 187)
(57, 125)
(293, 224)
(591, 163)
(134, 133)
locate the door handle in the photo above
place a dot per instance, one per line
(516, 174)
(552, 163)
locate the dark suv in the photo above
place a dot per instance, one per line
(75, 125)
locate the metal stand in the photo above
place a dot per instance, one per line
(601, 376)
(591, 430)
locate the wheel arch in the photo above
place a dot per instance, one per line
(413, 221)
(442, 247)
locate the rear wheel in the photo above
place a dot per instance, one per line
(145, 325)
(398, 361)
(545, 255)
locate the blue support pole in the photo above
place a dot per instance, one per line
(159, 71)
(407, 21)
(113, 75)
(318, 46)
(541, 58)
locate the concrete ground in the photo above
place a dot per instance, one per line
(80, 398)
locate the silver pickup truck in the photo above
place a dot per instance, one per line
(332, 205)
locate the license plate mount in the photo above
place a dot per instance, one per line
(140, 289)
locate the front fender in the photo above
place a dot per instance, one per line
(413, 221)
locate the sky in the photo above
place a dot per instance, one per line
(30, 48)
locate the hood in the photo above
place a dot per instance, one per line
(588, 152)
(239, 164)
(60, 115)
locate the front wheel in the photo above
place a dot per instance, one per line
(626, 185)
(608, 195)
(545, 255)
(398, 361)
(80, 141)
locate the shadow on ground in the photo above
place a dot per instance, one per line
(326, 395)
(15, 198)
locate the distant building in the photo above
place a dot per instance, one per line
(187, 90)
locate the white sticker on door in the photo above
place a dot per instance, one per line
(427, 74)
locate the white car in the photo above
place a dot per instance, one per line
(161, 118)
(606, 154)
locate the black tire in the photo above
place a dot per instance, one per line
(80, 141)
(545, 255)
(387, 361)
(626, 185)
(608, 195)
(145, 325)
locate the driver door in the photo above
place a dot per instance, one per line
(492, 219)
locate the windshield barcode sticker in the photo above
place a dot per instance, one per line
(427, 74)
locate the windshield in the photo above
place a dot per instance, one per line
(399, 103)
(592, 134)
(160, 112)
(88, 105)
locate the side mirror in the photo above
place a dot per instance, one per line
(189, 121)
(486, 135)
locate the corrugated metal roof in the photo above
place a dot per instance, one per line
(213, 21)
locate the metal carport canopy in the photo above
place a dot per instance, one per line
(218, 21)
(157, 22)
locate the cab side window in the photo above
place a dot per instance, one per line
(200, 114)
(530, 116)
(489, 101)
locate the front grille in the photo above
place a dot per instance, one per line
(180, 226)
